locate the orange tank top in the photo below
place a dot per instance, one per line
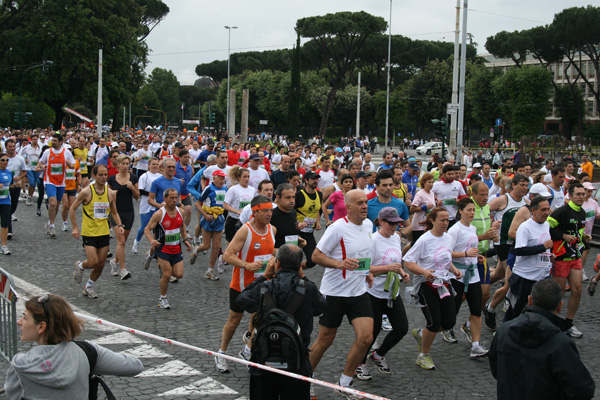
(257, 247)
(71, 176)
(56, 168)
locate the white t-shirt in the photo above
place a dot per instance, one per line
(326, 178)
(208, 173)
(357, 243)
(465, 238)
(99, 152)
(433, 253)
(448, 192)
(422, 198)
(194, 155)
(239, 197)
(385, 251)
(143, 163)
(558, 198)
(256, 176)
(537, 266)
(145, 183)
(16, 164)
(592, 211)
(31, 156)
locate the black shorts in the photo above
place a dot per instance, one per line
(86, 175)
(233, 306)
(71, 193)
(352, 307)
(127, 219)
(170, 258)
(5, 215)
(232, 225)
(187, 201)
(502, 251)
(98, 242)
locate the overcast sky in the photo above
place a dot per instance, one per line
(193, 32)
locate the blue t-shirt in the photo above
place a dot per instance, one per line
(212, 196)
(6, 178)
(375, 206)
(204, 155)
(161, 184)
(488, 182)
(384, 166)
(411, 182)
(186, 175)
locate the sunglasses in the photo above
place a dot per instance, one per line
(4, 159)
(43, 299)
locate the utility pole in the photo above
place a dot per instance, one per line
(387, 101)
(229, 28)
(99, 129)
(461, 86)
(453, 117)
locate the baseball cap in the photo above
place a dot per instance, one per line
(311, 175)
(541, 189)
(389, 214)
(219, 173)
(254, 156)
(588, 186)
(179, 145)
(477, 165)
(548, 178)
(338, 150)
(414, 165)
(362, 174)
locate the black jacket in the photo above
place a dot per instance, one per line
(282, 288)
(532, 358)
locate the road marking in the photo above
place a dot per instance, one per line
(146, 351)
(118, 338)
(206, 386)
(172, 368)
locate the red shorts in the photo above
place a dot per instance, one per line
(562, 268)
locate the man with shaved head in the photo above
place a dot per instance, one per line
(345, 252)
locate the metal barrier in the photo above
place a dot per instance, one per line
(8, 316)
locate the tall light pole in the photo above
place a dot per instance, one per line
(387, 101)
(229, 28)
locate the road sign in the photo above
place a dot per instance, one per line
(492, 132)
(452, 108)
(191, 121)
(498, 122)
(263, 122)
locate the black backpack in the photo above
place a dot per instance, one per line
(277, 342)
(94, 380)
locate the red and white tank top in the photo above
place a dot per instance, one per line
(172, 232)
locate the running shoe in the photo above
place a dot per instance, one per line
(13, 218)
(585, 277)
(9, 236)
(567, 288)
(478, 351)
(29, 202)
(417, 335)
(172, 279)
(246, 337)
(124, 274)
(135, 247)
(489, 318)
(574, 332)
(220, 265)
(90, 292)
(385, 323)
(597, 264)
(78, 273)
(449, 336)
(347, 396)
(425, 362)
(52, 233)
(221, 364)
(465, 330)
(5, 250)
(65, 227)
(193, 257)
(591, 288)
(244, 355)
(38, 212)
(114, 267)
(211, 276)
(148, 260)
(381, 364)
(163, 303)
(109, 255)
(362, 373)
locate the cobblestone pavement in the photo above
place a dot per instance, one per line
(199, 311)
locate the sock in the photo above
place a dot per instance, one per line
(345, 380)
(376, 356)
(474, 344)
(423, 354)
(469, 323)
(222, 351)
(163, 297)
(247, 350)
(211, 270)
(51, 225)
(80, 266)
(421, 332)
(89, 283)
(490, 309)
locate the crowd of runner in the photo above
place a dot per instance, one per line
(445, 232)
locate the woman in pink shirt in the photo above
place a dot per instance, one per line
(337, 199)
(422, 203)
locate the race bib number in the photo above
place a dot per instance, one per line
(172, 237)
(243, 203)
(101, 210)
(449, 202)
(56, 169)
(264, 260)
(543, 260)
(34, 163)
(590, 215)
(364, 263)
(70, 175)
(220, 197)
(4, 193)
(310, 223)
(291, 239)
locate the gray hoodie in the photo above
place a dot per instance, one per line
(61, 371)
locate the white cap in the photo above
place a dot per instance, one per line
(476, 165)
(588, 186)
(541, 189)
(548, 178)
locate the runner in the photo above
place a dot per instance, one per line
(257, 174)
(337, 199)
(237, 197)
(170, 232)
(345, 251)
(6, 181)
(54, 163)
(249, 252)
(73, 179)
(98, 202)
(31, 153)
(430, 259)
(422, 204)
(125, 186)
(210, 206)
(80, 153)
(146, 210)
(184, 171)
(308, 211)
(141, 159)
(384, 198)
(266, 189)
(448, 191)
(284, 217)
(16, 164)
(556, 188)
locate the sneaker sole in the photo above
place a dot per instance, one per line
(478, 355)
(124, 278)
(424, 367)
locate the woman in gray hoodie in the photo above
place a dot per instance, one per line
(58, 368)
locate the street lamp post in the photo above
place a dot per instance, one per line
(387, 100)
(229, 28)
(44, 64)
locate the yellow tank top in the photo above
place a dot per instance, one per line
(95, 214)
(84, 158)
(400, 192)
(309, 212)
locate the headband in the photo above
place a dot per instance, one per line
(263, 206)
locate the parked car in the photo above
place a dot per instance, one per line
(430, 148)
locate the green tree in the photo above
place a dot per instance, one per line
(570, 105)
(511, 45)
(523, 95)
(480, 100)
(339, 38)
(166, 86)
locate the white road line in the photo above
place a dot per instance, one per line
(172, 368)
(206, 386)
(119, 338)
(146, 351)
